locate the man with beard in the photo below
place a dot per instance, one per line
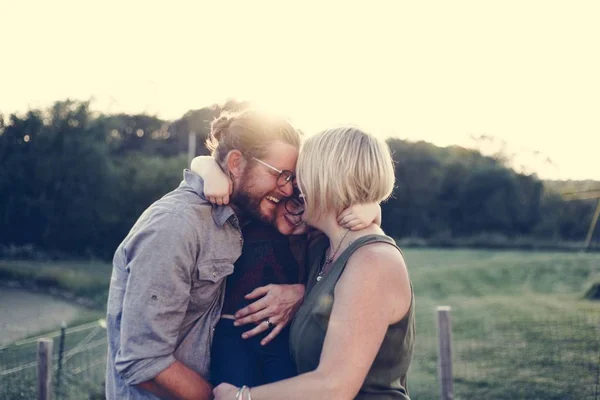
(167, 285)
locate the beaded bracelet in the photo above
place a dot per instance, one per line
(240, 393)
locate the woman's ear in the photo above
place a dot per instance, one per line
(235, 164)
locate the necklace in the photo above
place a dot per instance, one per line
(329, 260)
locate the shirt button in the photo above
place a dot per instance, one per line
(214, 274)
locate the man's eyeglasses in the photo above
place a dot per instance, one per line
(295, 205)
(284, 177)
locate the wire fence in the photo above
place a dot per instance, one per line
(78, 365)
(497, 356)
(504, 356)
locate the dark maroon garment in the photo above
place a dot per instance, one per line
(268, 257)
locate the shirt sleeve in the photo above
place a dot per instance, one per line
(160, 260)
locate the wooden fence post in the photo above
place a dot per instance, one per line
(445, 353)
(44, 369)
(61, 350)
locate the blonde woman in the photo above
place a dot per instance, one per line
(353, 336)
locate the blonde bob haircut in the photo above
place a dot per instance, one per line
(341, 167)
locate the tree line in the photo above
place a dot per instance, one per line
(73, 182)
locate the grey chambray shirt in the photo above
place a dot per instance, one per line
(167, 288)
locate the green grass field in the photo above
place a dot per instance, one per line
(72, 279)
(521, 328)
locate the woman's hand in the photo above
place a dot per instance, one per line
(225, 391)
(217, 185)
(359, 216)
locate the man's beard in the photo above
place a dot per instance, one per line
(247, 201)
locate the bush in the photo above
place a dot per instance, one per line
(593, 293)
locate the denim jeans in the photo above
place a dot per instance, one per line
(244, 361)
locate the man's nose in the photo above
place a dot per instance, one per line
(288, 189)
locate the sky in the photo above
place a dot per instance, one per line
(522, 72)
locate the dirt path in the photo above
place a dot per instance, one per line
(23, 314)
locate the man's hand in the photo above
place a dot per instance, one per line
(225, 391)
(179, 382)
(275, 309)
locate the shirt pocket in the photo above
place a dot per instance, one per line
(214, 272)
(207, 283)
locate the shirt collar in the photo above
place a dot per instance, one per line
(220, 214)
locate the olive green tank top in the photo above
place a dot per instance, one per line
(387, 377)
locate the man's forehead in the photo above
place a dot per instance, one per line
(281, 155)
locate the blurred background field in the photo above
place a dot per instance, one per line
(522, 328)
(73, 182)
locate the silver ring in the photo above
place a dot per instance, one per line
(269, 323)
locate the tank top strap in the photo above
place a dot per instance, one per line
(363, 241)
(340, 263)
